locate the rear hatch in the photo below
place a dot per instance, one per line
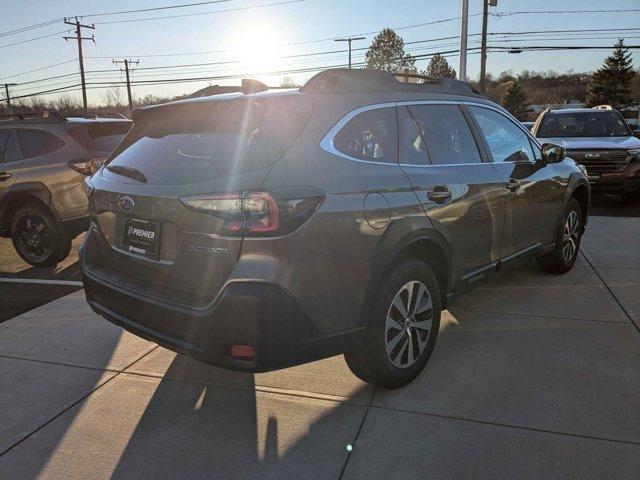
(150, 202)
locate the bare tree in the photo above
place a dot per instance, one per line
(288, 82)
(112, 97)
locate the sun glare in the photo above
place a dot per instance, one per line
(259, 47)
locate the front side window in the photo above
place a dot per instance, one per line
(370, 135)
(506, 141)
(447, 135)
(35, 143)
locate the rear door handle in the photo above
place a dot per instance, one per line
(4, 176)
(439, 195)
(513, 185)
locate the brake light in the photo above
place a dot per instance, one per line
(256, 213)
(87, 167)
(249, 212)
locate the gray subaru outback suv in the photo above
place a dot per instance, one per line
(259, 230)
(44, 158)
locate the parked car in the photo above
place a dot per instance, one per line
(527, 125)
(257, 231)
(600, 139)
(44, 158)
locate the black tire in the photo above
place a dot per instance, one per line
(37, 237)
(371, 362)
(558, 261)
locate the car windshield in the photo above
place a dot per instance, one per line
(583, 124)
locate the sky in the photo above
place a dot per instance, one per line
(278, 35)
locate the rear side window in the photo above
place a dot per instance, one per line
(371, 135)
(101, 136)
(199, 141)
(36, 142)
(507, 142)
(446, 134)
(12, 151)
(4, 136)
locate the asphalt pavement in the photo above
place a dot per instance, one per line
(534, 376)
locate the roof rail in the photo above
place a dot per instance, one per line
(343, 80)
(33, 117)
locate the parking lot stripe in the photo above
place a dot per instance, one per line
(40, 281)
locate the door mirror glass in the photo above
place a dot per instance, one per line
(552, 153)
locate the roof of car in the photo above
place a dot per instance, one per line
(338, 81)
(568, 111)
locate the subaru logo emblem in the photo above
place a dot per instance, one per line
(126, 203)
(591, 155)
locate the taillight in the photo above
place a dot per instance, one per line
(87, 167)
(257, 213)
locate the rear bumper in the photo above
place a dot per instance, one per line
(254, 313)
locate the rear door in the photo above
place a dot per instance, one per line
(10, 160)
(536, 192)
(461, 193)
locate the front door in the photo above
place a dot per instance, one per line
(535, 190)
(463, 195)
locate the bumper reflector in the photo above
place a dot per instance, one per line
(243, 352)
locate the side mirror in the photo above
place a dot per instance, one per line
(636, 133)
(553, 153)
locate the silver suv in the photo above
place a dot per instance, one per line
(259, 230)
(44, 158)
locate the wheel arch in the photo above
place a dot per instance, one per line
(582, 195)
(21, 194)
(403, 240)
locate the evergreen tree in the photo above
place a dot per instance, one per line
(387, 53)
(439, 68)
(515, 101)
(611, 84)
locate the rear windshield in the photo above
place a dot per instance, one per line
(103, 136)
(583, 124)
(199, 141)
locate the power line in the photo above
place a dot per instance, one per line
(30, 27)
(617, 10)
(286, 2)
(168, 7)
(509, 39)
(38, 69)
(33, 39)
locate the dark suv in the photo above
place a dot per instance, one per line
(601, 140)
(260, 230)
(44, 158)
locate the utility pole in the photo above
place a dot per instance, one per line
(349, 40)
(6, 90)
(127, 62)
(80, 38)
(464, 23)
(483, 48)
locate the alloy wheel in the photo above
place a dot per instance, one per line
(33, 237)
(571, 236)
(408, 324)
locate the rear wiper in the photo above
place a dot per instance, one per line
(127, 172)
